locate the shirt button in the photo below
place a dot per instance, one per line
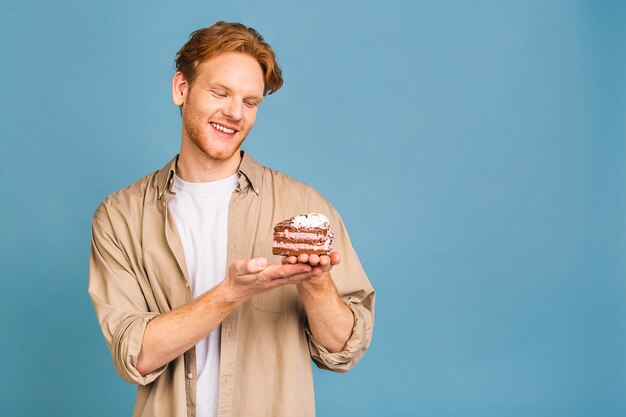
(189, 375)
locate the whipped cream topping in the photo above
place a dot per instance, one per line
(310, 220)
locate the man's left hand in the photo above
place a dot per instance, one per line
(330, 319)
(320, 264)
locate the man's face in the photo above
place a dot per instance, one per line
(220, 108)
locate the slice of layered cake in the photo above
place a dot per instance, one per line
(307, 233)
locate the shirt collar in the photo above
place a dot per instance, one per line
(251, 174)
(165, 177)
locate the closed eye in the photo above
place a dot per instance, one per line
(218, 93)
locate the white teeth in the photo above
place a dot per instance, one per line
(222, 128)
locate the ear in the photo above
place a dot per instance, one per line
(180, 87)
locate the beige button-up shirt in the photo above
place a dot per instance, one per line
(138, 271)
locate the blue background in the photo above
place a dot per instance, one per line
(476, 151)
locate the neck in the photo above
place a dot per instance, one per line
(195, 166)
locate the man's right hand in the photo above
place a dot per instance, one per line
(169, 335)
(247, 278)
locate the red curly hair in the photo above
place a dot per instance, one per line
(205, 43)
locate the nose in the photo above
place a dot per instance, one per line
(233, 109)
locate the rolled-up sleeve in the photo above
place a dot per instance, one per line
(118, 300)
(354, 288)
(355, 346)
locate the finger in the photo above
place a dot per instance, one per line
(325, 263)
(285, 271)
(314, 259)
(248, 266)
(317, 271)
(303, 258)
(289, 260)
(335, 258)
(292, 279)
(277, 283)
(256, 265)
(295, 279)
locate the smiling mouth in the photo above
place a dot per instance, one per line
(222, 128)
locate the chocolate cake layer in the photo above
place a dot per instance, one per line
(303, 234)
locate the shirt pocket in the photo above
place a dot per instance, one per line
(278, 300)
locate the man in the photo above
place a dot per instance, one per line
(201, 338)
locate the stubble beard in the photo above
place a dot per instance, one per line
(198, 132)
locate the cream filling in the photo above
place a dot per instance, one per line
(299, 235)
(297, 246)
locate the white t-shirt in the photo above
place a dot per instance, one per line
(200, 212)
